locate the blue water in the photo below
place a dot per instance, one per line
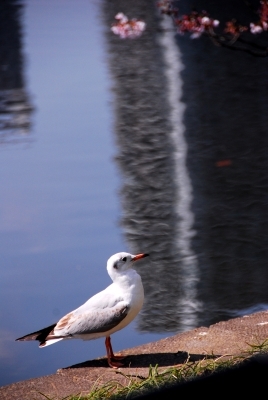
(150, 145)
(59, 208)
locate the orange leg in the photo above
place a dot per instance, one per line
(110, 354)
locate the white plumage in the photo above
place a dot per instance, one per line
(103, 314)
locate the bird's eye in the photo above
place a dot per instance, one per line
(124, 259)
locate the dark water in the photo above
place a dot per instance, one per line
(191, 127)
(155, 144)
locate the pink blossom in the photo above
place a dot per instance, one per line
(121, 17)
(255, 28)
(196, 24)
(126, 28)
(234, 28)
(262, 25)
(264, 11)
(205, 21)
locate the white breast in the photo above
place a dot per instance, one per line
(129, 289)
(132, 289)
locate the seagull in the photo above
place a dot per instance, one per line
(103, 314)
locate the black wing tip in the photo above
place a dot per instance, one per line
(25, 338)
(38, 335)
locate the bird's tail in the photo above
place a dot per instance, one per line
(41, 336)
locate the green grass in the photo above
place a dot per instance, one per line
(156, 378)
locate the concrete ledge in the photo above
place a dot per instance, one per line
(224, 338)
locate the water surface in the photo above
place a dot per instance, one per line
(59, 211)
(155, 145)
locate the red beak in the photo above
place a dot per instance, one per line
(138, 256)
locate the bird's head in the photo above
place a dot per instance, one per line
(120, 262)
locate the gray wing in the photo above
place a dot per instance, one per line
(94, 321)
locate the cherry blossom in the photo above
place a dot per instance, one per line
(233, 28)
(255, 28)
(200, 23)
(195, 23)
(127, 28)
(262, 25)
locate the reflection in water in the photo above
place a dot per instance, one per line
(226, 121)
(15, 108)
(195, 184)
(188, 304)
(156, 193)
